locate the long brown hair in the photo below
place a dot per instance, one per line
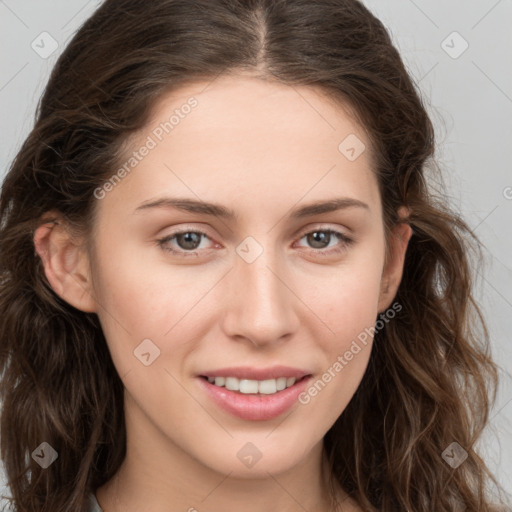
(430, 381)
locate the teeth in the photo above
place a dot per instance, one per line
(232, 383)
(281, 383)
(267, 387)
(248, 386)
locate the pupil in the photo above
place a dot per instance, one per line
(319, 236)
(190, 238)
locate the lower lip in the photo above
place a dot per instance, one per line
(255, 407)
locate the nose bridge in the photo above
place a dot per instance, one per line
(262, 308)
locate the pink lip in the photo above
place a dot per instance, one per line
(246, 372)
(255, 407)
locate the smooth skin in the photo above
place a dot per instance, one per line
(262, 149)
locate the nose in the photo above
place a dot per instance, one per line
(261, 307)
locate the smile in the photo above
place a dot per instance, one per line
(249, 386)
(254, 394)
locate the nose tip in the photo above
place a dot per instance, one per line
(261, 309)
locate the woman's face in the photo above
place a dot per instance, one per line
(251, 300)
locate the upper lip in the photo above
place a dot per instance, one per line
(251, 373)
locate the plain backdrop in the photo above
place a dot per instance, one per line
(459, 54)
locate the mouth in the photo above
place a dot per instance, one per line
(254, 394)
(252, 386)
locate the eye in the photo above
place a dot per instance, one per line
(321, 238)
(189, 242)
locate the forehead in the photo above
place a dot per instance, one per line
(254, 104)
(240, 136)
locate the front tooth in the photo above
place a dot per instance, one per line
(248, 386)
(281, 383)
(267, 387)
(232, 383)
(220, 381)
(290, 381)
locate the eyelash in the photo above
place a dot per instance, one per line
(345, 242)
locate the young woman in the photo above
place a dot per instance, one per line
(225, 282)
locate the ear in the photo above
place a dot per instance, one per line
(394, 264)
(66, 264)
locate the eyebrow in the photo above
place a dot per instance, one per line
(217, 210)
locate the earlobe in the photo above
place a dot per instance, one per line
(393, 269)
(65, 265)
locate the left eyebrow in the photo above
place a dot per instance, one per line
(217, 210)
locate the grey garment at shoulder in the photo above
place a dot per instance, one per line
(94, 505)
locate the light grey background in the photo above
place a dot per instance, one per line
(469, 97)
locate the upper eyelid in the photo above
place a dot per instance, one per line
(300, 234)
(316, 226)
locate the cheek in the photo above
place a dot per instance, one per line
(347, 353)
(348, 308)
(346, 301)
(172, 305)
(136, 303)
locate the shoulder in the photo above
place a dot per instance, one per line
(93, 503)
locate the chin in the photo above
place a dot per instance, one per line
(255, 456)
